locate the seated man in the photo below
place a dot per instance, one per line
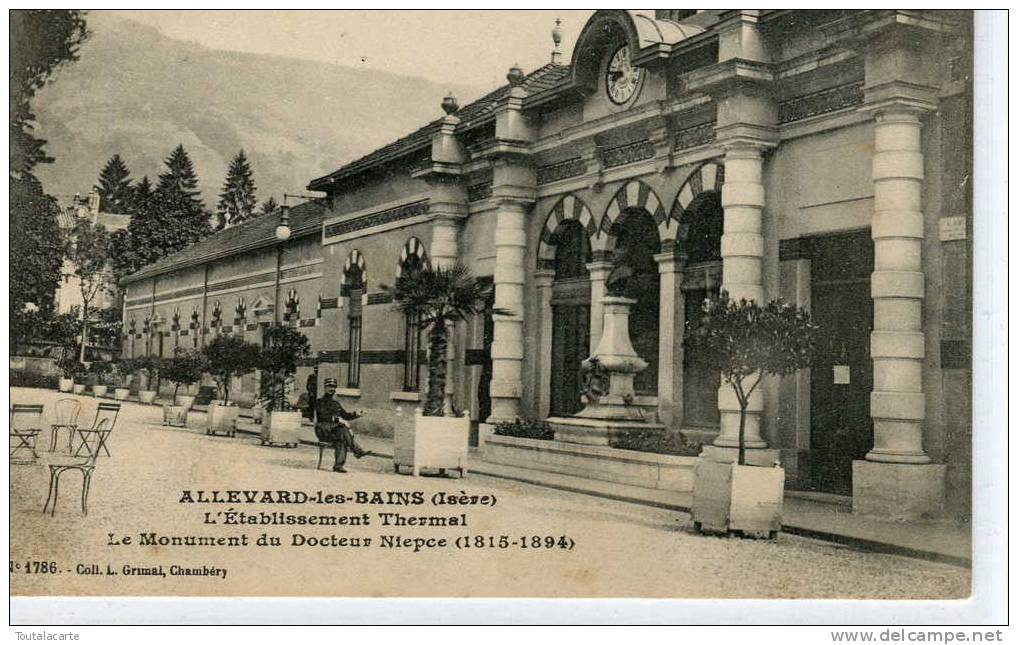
(331, 426)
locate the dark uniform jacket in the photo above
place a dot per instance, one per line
(328, 413)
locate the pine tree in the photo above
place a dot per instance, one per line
(178, 186)
(141, 195)
(237, 200)
(115, 186)
(268, 206)
(177, 206)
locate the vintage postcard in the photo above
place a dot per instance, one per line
(531, 304)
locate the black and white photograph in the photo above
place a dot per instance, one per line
(671, 304)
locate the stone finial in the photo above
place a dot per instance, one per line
(515, 75)
(450, 105)
(556, 37)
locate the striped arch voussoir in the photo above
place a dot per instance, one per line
(413, 248)
(355, 259)
(634, 194)
(708, 177)
(569, 207)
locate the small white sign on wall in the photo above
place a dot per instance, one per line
(842, 375)
(952, 229)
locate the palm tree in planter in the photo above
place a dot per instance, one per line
(283, 348)
(227, 357)
(185, 368)
(437, 298)
(745, 342)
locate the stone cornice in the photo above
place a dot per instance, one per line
(721, 76)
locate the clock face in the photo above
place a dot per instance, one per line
(621, 78)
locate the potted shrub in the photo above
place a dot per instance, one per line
(282, 348)
(152, 366)
(70, 368)
(437, 298)
(124, 369)
(746, 342)
(185, 368)
(101, 371)
(227, 357)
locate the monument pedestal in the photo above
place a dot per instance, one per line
(596, 432)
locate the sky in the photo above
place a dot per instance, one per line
(472, 47)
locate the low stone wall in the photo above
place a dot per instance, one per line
(667, 473)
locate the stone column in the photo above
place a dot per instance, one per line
(742, 250)
(507, 346)
(897, 343)
(445, 253)
(543, 280)
(672, 322)
(599, 270)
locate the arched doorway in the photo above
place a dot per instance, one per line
(570, 305)
(636, 243)
(700, 240)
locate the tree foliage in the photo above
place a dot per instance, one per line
(41, 41)
(36, 253)
(268, 206)
(283, 348)
(440, 297)
(237, 200)
(87, 247)
(185, 368)
(746, 341)
(115, 191)
(227, 357)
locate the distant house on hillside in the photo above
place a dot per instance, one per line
(68, 294)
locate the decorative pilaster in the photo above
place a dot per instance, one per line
(514, 189)
(598, 270)
(672, 321)
(543, 280)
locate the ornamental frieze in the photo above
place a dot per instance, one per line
(822, 102)
(696, 135)
(396, 214)
(479, 191)
(561, 170)
(627, 154)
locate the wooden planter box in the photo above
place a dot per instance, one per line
(281, 429)
(433, 443)
(121, 393)
(175, 415)
(78, 388)
(184, 401)
(221, 419)
(147, 396)
(100, 390)
(65, 384)
(729, 497)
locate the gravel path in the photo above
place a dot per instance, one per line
(620, 549)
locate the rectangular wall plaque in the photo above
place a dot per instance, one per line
(952, 229)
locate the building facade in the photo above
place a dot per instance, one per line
(822, 157)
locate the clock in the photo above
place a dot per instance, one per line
(621, 79)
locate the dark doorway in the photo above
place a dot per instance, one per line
(841, 429)
(570, 303)
(637, 242)
(702, 226)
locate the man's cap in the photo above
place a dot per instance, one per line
(331, 382)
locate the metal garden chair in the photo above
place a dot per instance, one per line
(94, 439)
(25, 426)
(84, 466)
(66, 412)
